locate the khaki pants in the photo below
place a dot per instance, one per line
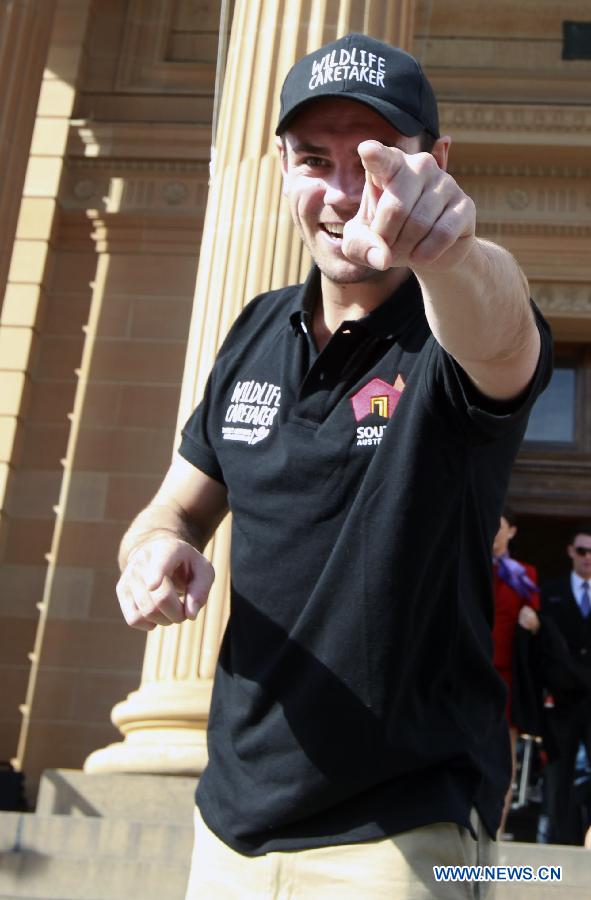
(397, 868)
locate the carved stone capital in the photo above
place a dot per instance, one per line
(155, 186)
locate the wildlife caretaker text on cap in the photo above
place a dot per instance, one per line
(357, 67)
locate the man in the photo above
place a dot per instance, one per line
(566, 674)
(516, 597)
(361, 429)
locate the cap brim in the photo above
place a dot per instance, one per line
(401, 120)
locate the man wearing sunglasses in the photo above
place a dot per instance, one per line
(566, 667)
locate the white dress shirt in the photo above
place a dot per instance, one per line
(576, 583)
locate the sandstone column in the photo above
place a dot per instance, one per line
(248, 246)
(25, 26)
(40, 52)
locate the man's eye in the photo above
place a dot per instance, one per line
(314, 162)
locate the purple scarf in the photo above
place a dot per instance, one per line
(513, 573)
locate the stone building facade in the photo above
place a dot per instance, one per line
(110, 314)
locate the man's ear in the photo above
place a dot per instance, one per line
(440, 151)
(282, 148)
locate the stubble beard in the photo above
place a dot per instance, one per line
(360, 275)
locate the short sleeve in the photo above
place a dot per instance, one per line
(481, 416)
(196, 445)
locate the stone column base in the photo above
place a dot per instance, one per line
(165, 729)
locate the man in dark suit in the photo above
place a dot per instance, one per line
(566, 674)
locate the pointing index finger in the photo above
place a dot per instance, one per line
(381, 162)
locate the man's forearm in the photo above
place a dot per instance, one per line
(480, 312)
(480, 309)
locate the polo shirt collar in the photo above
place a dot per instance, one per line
(384, 322)
(302, 306)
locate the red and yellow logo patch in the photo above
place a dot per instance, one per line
(377, 397)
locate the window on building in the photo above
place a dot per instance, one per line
(553, 417)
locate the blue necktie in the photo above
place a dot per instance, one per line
(585, 601)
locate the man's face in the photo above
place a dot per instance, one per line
(581, 560)
(323, 178)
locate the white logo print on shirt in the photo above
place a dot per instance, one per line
(252, 404)
(351, 65)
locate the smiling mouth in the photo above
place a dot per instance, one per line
(332, 229)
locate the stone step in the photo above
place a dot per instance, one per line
(92, 879)
(73, 857)
(79, 837)
(140, 798)
(79, 858)
(574, 862)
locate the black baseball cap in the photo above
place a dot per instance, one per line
(358, 67)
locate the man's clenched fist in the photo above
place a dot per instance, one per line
(165, 580)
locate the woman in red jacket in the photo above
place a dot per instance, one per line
(516, 600)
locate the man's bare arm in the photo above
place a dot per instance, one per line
(165, 578)
(480, 312)
(188, 505)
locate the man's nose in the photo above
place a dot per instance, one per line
(344, 189)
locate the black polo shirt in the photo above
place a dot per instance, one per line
(355, 695)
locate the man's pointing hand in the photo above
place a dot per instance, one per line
(412, 213)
